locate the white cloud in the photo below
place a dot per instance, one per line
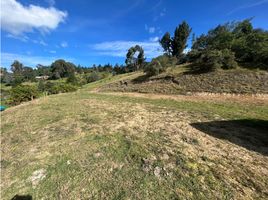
(42, 43)
(8, 58)
(25, 38)
(28, 60)
(22, 38)
(154, 39)
(150, 29)
(64, 44)
(52, 51)
(18, 19)
(120, 48)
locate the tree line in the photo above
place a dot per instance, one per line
(225, 46)
(57, 70)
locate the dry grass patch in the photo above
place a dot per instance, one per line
(96, 146)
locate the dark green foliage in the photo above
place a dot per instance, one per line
(166, 43)
(159, 65)
(176, 45)
(153, 68)
(62, 88)
(94, 76)
(6, 77)
(28, 74)
(61, 68)
(41, 86)
(22, 93)
(43, 70)
(228, 59)
(72, 79)
(131, 61)
(211, 60)
(55, 88)
(17, 79)
(16, 67)
(179, 42)
(250, 46)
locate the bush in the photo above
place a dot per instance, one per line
(228, 59)
(159, 65)
(72, 79)
(22, 93)
(41, 86)
(153, 68)
(211, 60)
(61, 88)
(94, 76)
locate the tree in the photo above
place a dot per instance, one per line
(166, 43)
(249, 45)
(133, 62)
(42, 70)
(61, 69)
(16, 67)
(179, 42)
(28, 73)
(3, 75)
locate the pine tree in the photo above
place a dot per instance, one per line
(166, 43)
(179, 41)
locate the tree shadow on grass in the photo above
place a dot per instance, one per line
(22, 197)
(140, 79)
(248, 133)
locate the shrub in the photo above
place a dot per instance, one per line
(153, 68)
(211, 60)
(228, 59)
(41, 86)
(166, 61)
(94, 76)
(61, 88)
(159, 65)
(22, 93)
(72, 79)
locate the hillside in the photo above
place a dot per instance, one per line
(92, 145)
(179, 80)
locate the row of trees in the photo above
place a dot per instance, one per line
(58, 69)
(231, 43)
(224, 46)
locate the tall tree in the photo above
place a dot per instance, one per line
(16, 67)
(61, 69)
(179, 42)
(166, 43)
(132, 61)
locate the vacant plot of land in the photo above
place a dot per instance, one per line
(86, 145)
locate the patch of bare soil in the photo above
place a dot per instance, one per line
(260, 99)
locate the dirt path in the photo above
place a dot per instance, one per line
(261, 99)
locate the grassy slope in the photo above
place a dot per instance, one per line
(174, 81)
(104, 146)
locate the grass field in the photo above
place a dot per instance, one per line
(91, 145)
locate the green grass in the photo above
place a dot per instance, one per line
(106, 146)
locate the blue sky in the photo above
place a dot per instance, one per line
(90, 32)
